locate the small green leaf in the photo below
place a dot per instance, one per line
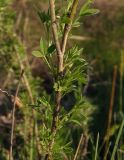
(76, 23)
(65, 19)
(43, 46)
(51, 48)
(56, 86)
(75, 121)
(94, 11)
(44, 17)
(37, 54)
(90, 12)
(86, 9)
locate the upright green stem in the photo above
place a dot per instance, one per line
(60, 56)
(55, 36)
(67, 27)
(60, 70)
(96, 149)
(117, 140)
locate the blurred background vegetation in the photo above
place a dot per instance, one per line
(101, 36)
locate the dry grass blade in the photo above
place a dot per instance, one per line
(81, 139)
(13, 118)
(110, 112)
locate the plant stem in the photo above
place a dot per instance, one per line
(60, 70)
(13, 118)
(55, 36)
(33, 118)
(60, 64)
(96, 149)
(67, 27)
(110, 112)
(81, 139)
(60, 56)
(117, 140)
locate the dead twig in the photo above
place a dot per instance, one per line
(27, 85)
(84, 147)
(13, 118)
(78, 148)
(110, 111)
(5, 93)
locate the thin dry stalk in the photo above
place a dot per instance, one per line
(78, 148)
(110, 112)
(25, 79)
(13, 118)
(80, 38)
(27, 85)
(84, 147)
(6, 93)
